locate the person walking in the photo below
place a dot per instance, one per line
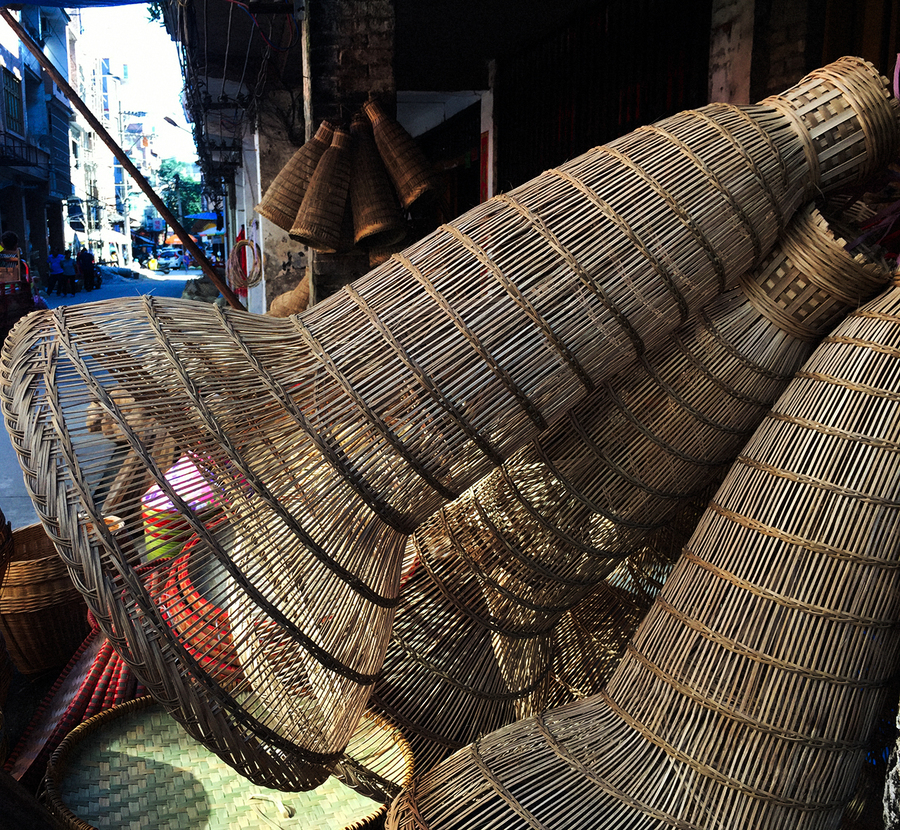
(67, 282)
(55, 272)
(84, 266)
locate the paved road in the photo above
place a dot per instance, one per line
(14, 499)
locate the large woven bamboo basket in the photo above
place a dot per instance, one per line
(43, 617)
(749, 692)
(319, 222)
(332, 435)
(285, 194)
(133, 764)
(508, 558)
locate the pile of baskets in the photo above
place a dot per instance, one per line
(556, 367)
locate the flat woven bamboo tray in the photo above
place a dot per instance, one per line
(95, 678)
(133, 766)
(749, 692)
(332, 435)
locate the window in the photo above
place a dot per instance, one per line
(12, 102)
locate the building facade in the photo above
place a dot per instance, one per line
(35, 171)
(493, 92)
(98, 209)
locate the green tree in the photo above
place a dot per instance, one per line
(179, 191)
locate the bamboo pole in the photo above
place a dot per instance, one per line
(119, 153)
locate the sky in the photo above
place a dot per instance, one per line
(125, 35)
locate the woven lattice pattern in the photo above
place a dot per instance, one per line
(319, 222)
(135, 767)
(412, 175)
(750, 689)
(43, 617)
(531, 539)
(377, 220)
(284, 196)
(321, 441)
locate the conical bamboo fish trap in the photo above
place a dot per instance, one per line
(748, 693)
(320, 219)
(527, 543)
(329, 436)
(377, 220)
(293, 301)
(577, 653)
(413, 176)
(284, 196)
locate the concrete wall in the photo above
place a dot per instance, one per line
(351, 54)
(783, 45)
(731, 51)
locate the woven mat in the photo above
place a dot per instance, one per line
(32, 747)
(140, 769)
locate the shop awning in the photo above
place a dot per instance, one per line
(114, 237)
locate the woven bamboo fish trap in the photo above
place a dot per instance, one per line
(133, 762)
(377, 221)
(330, 436)
(285, 194)
(293, 301)
(528, 542)
(749, 691)
(319, 222)
(413, 177)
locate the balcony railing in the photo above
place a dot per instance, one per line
(17, 152)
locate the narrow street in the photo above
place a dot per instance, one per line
(15, 502)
